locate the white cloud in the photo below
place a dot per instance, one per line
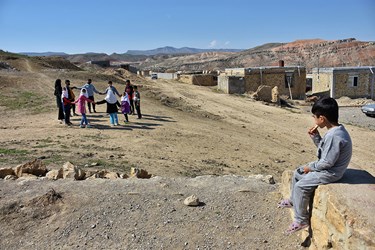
(212, 44)
(227, 43)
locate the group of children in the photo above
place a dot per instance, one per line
(130, 101)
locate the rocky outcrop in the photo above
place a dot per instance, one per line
(139, 173)
(342, 214)
(6, 171)
(36, 168)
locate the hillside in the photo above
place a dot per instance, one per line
(308, 53)
(168, 50)
(35, 63)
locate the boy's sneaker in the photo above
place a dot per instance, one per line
(88, 126)
(116, 124)
(81, 126)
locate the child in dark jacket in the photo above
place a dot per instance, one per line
(137, 101)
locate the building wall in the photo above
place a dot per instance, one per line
(101, 63)
(231, 84)
(255, 77)
(199, 79)
(235, 71)
(336, 81)
(167, 76)
(321, 82)
(344, 88)
(276, 77)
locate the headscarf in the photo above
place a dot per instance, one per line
(125, 98)
(58, 88)
(85, 93)
(64, 94)
(110, 98)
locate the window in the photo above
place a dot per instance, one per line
(353, 81)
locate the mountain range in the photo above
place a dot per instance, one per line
(306, 53)
(167, 50)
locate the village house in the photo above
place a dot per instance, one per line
(353, 82)
(291, 80)
(104, 63)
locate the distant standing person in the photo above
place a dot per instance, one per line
(137, 101)
(71, 96)
(130, 91)
(111, 87)
(90, 91)
(58, 94)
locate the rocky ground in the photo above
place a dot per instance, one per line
(196, 140)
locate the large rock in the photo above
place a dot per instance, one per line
(192, 201)
(35, 167)
(6, 171)
(105, 174)
(71, 171)
(139, 173)
(275, 95)
(343, 212)
(55, 174)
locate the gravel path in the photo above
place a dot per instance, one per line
(352, 116)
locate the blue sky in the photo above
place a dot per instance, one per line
(80, 26)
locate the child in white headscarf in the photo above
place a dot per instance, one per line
(112, 105)
(66, 104)
(82, 99)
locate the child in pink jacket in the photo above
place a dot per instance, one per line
(82, 99)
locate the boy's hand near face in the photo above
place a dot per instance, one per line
(313, 131)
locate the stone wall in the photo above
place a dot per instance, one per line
(343, 212)
(276, 77)
(199, 79)
(344, 88)
(336, 82)
(240, 80)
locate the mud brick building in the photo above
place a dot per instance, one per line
(353, 82)
(291, 81)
